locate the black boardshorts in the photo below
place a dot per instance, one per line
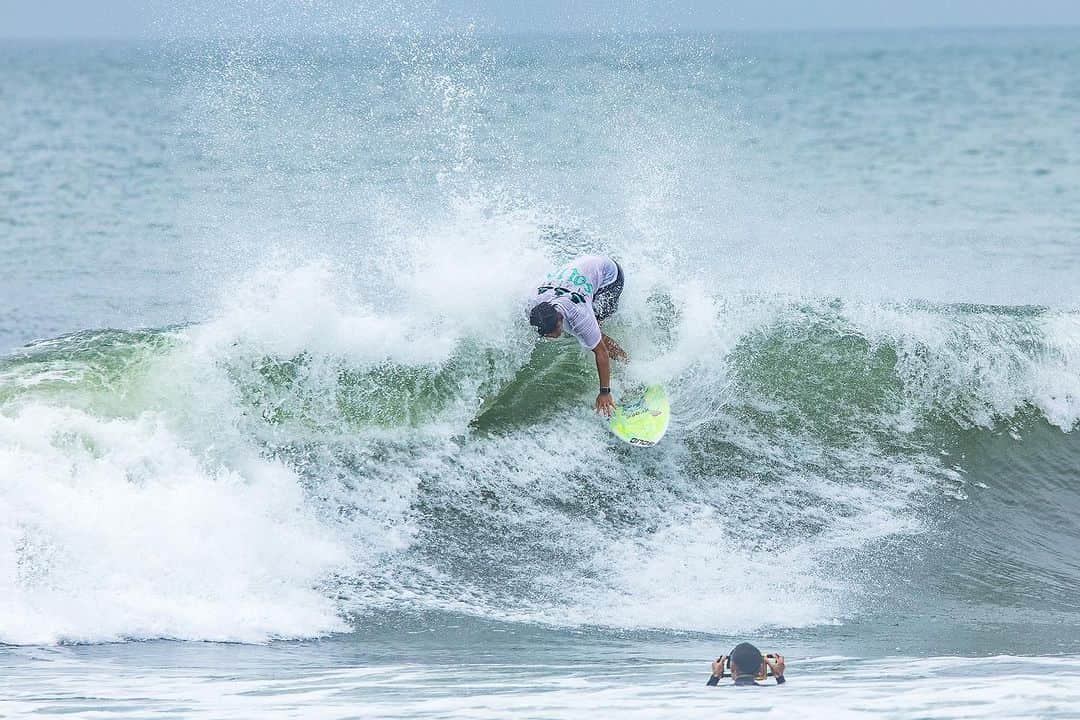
(606, 300)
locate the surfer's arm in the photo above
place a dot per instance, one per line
(613, 349)
(604, 404)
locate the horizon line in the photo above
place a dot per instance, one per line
(811, 30)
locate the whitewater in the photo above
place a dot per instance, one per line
(276, 439)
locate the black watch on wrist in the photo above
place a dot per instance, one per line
(605, 390)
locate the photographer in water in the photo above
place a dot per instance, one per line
(748, 665)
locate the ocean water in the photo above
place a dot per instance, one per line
(275, 439)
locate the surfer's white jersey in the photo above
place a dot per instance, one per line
(571, 290)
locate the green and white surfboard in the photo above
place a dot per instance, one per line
(641, 418)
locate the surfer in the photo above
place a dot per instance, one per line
(577, 298)
(747, 665)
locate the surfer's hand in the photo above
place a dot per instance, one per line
(718, 666)
(604, 404)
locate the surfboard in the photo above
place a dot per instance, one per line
(642, 417)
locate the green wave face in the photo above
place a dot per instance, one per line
(482, 483)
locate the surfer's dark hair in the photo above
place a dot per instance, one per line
(746, 659)
(544, 318)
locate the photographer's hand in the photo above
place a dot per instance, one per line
(776, 664)
(717, 672)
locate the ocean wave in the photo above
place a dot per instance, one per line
(311, 457)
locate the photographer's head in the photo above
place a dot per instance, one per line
(745, 660)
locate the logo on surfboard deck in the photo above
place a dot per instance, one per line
(641, 443)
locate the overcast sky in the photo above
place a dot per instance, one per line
(135, 18)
